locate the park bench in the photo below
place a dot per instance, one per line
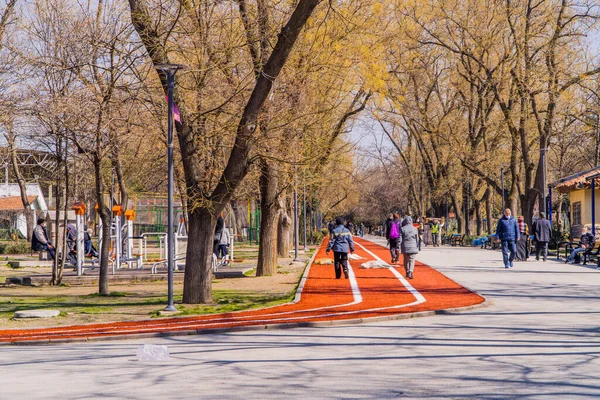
(457, 240)
(588, 255)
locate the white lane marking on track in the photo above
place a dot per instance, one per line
(419, 298)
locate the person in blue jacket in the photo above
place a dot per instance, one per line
(340, 244)
(507, 232)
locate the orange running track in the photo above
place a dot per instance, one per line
(368, 293)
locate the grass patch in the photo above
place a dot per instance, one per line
(228, 301)
(252, 272)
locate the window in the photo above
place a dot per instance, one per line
(577, 213)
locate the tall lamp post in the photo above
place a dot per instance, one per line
(169, 70)
(502, 179)
(296, 230)
(543, 204)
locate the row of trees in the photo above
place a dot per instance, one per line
(476, 87)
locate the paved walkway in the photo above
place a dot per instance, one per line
(367, 294)
(539, 339)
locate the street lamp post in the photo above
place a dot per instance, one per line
(169, 70)
(543, 204)
(304, 210)
(502, 179)
(296, 230)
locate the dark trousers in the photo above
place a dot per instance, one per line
(51, 251)
(394, 249)
(340, 261)
(509, 250)
(543, 247)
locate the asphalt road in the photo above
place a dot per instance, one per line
(539, 338)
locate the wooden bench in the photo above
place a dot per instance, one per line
(458, 240)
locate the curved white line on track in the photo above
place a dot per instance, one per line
(418, 296)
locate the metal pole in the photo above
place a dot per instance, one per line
(543, 202)
(296, 232)
(550, 205)
(502, 178)
(171, 246)
(304, 211)
(594, 206)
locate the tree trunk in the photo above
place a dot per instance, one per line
(488, 210)
(104, 214)
(198, 280)
(478, 218)
(267, 250)
(284, 231)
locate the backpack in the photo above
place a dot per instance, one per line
(395, 230)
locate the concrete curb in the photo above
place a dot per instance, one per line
(280, 326)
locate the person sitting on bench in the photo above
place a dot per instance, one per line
(586, 243)
(90, 250)
(40, 240)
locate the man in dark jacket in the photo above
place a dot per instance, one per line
(507, 232)
(542, 231)
(340, 244)
(586, 242)
(409, 239)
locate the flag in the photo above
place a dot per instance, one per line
(176, 115)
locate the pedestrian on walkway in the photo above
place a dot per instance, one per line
(393, 236)
(340, 244)
(40, 240)
(523, 243)
(507, 231)
(409, 236)
(349, 226)
(435, 232)
(542, 231)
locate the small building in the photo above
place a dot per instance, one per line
(12, 210)
(583, 189)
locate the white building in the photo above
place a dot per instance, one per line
(12, 210)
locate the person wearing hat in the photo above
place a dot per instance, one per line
(40, 240)
(523, 243)
(542, 232)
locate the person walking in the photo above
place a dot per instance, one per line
(435, 233)
(340, 244)
(542, 231)
(393, 236)
(523, 243)
(409, 236)
(507, 231)
(221, 241)
(40, 240)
